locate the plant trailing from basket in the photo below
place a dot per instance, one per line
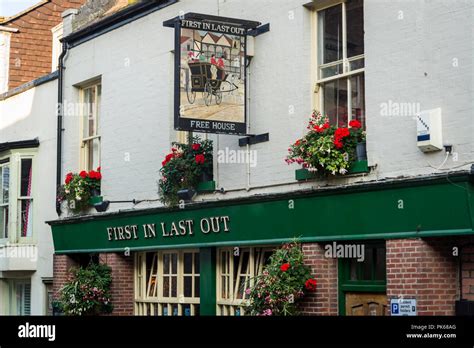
(327, 149)
(183, 168)
(284, 281)
(79, 188)
(87, 291)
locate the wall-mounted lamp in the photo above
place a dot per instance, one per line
(103, 206)
(186, 195)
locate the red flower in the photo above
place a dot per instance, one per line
(95, 175)
(99, 169)
(285, 267)
(355, 124)
(200, 159)
(196, 147)
(310, 284)
(342, 133)
(69, 178)
(83, 174)
(322, 128)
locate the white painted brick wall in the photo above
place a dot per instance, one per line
(138, 102)
(26, 116)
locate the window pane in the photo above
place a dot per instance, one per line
(93, 151)
(355, 28)
(335, 102)
(89, 112)
(26, 176)
(174, 286)
(368, 264)
(4, 222)
(166, 263)
(197, 287)
(188, 263)
(330, 34)
(332, 70)
(26, 218)
(358, 98)
(5, 184)
(166, 287)
(174, 263)
(380, 266)
(188, 286)
(196, 264)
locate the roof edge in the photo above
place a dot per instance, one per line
(22, 13)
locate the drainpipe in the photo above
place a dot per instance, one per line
(68, 18)
(60, 110)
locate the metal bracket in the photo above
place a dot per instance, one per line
(254, 139)
(259, 30)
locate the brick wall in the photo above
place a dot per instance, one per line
(468, 273)
(324, 300)
(425, 270)
(122, 282)
(61, 266)
(31, 47)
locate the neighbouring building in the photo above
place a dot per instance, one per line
(399, 67)
(29, 51)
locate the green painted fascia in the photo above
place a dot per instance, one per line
(436, 209)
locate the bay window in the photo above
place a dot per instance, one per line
(90, 143)
(4, 197)
(16, 196)
(341, 62)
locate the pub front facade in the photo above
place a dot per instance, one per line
(141, 74)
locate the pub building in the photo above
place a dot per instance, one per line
(247, 75)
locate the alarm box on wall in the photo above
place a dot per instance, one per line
(430, 133)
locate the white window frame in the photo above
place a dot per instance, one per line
(232, 305)
(345, 61)
(5, 205)
(15, 198)
(146, 305)
(87, 141)
(57, 33)
(12, 296)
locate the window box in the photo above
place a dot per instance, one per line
(206, 186)
(94, 200)
(358, 167)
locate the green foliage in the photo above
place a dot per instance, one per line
(284, 281)
(183, 167)
(326, 149)
(87, 291)
(79, 188)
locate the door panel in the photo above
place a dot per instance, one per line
(366, 304)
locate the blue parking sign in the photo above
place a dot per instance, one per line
(395, 308)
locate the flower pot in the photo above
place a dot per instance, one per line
(206, 175)
(95, 193)
(361, 151)
(94, 200)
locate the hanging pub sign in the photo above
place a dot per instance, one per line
(210, 73)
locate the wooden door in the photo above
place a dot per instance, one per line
(366, 304)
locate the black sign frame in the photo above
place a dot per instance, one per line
(235, 27)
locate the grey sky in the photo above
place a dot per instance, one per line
(11, 7)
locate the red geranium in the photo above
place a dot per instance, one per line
(95, 175)
(196, 147)
(69, 178)
(310, 284)
(339, 135)
(200, 159)
(322, 128)
(285, 267)
(355, 124)
(99, 169)
(83, 174)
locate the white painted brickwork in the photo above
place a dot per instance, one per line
(136, 66)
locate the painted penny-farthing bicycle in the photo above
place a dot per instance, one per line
(210, 80)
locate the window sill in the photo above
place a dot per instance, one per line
(358, 167)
